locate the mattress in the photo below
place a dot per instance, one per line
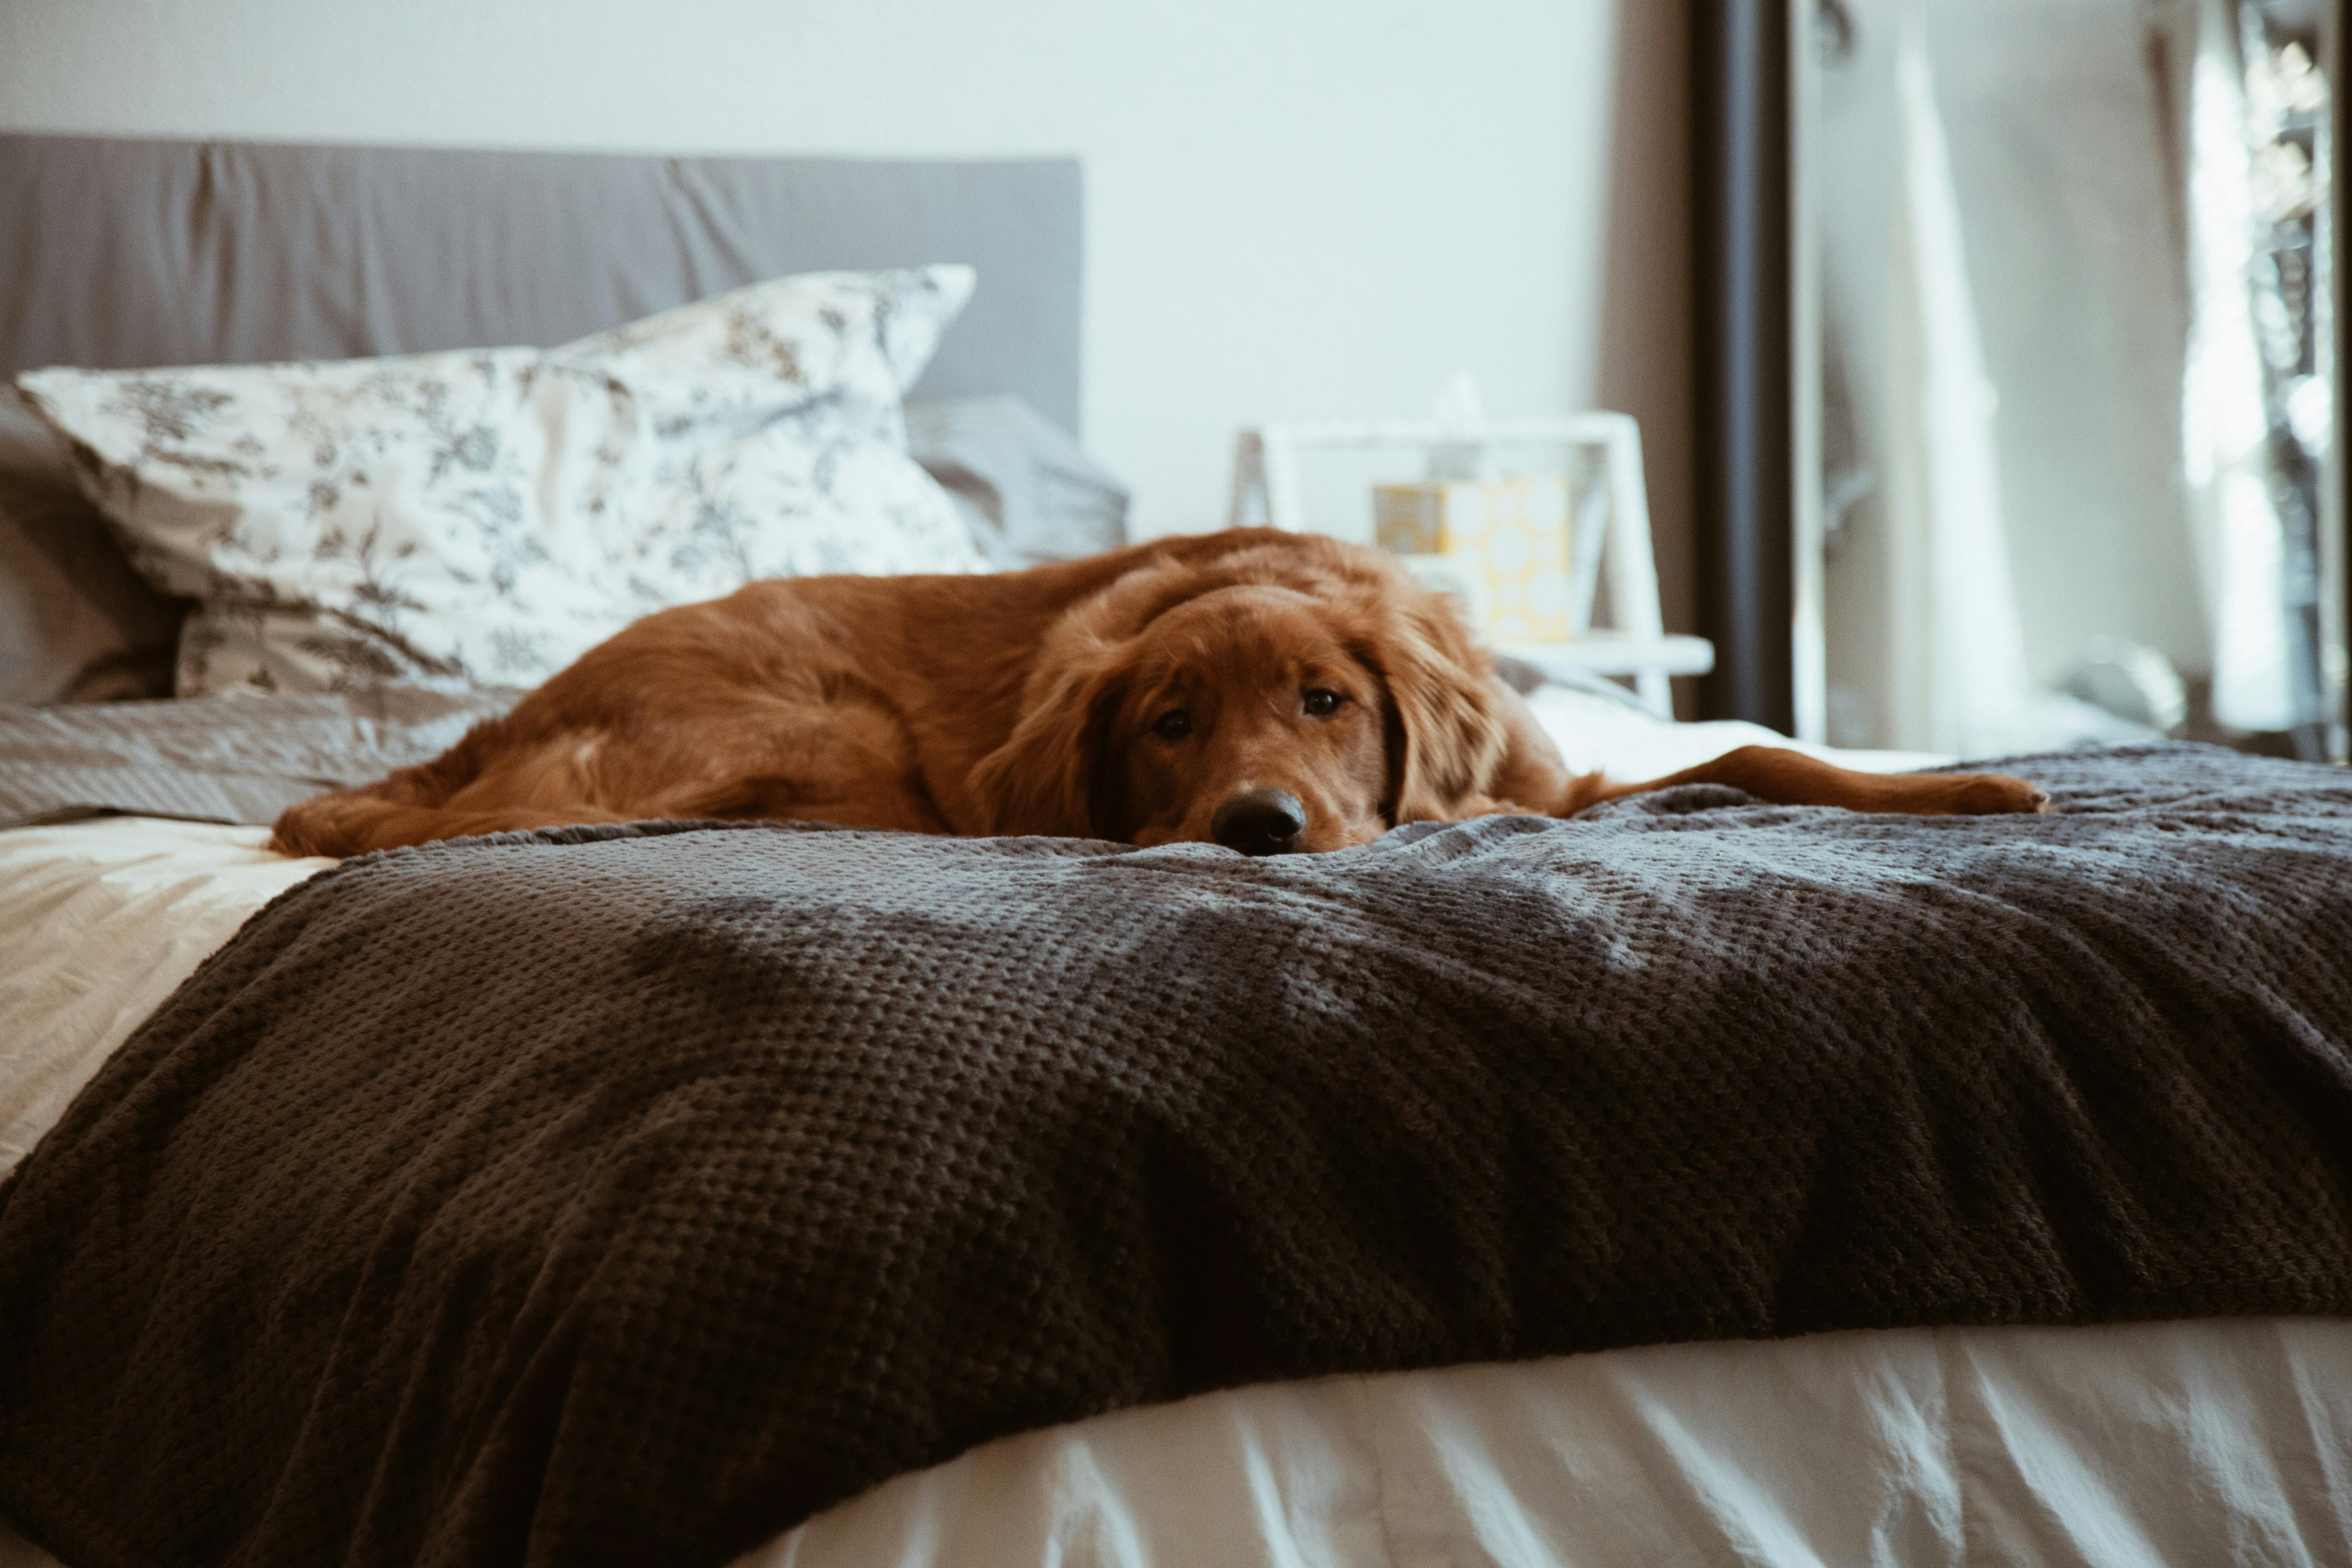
(2215, 1441)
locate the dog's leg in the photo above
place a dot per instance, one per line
(355, 822)
(1791, 778)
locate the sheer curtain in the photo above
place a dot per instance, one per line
(1958, 682)
(2225, 425)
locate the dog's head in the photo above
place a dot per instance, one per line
(1274, 700)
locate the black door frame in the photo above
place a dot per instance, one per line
(1746, 416)
(1742, 150)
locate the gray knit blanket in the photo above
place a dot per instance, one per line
(626, 1196)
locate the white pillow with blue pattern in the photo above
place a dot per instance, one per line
(480, 518)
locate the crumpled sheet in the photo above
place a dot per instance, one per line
(2208, 1443)
(100, 921)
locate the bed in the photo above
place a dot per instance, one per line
(2184, 1406)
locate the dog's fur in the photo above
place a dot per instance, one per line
(1125, 696)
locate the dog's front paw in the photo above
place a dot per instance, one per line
(1995, 795)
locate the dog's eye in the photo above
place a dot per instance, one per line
(1173, 725)
(1322, 704)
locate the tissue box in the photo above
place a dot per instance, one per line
(1511, 535)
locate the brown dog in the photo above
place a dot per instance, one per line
(1268, 692)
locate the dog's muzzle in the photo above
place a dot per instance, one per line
(1260, 822)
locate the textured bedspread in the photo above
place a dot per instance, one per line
(624, 1195)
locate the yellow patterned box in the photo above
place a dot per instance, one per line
(1513, 533)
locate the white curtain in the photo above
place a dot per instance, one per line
(2224, 424)
(1959, 682)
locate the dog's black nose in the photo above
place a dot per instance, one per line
(1259, 822)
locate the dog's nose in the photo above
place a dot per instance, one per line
(1259, 822)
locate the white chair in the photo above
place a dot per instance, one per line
(1610, 530)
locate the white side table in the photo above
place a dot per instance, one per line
(1268, 492)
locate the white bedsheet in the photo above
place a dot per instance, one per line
(2198, 1444)
(100, 921)
(2202, 1443)
(1594, 734)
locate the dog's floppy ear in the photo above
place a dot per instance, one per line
(1447, 736)
(1048, 778)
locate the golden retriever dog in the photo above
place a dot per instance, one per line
(1271, 692)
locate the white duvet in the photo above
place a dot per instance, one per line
(2199, 1443)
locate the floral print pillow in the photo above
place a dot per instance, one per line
(482, 517)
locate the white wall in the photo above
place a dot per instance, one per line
(1296, 207)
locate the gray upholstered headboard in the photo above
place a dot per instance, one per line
(127, 253)
(123, 253)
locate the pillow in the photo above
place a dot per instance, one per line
(1029, 491)
(482, 517)
(76, 622)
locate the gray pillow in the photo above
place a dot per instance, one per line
(1030, 492)
(77, 623)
